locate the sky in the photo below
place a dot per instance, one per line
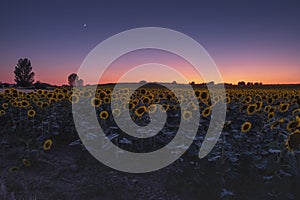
(257, 41)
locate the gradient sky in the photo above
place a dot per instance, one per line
(248, 40)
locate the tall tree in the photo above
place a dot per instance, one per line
(23, 73)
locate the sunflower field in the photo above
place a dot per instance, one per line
(257, 155)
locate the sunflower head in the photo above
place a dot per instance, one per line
(116, 112)
(206, 112)
(187, 115)
(292, 125)
(103, 115)
(5, 106)
(47, 144)
(293, 141)
(283, 107)
(246, 126)
(95, 102)
(271, 115)
(74, 98)
(31, 113)
(251, 109)
(14, 169)
(2, 112)
(152, 108)
(140, 111)
(26, 162)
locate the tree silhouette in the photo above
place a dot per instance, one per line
(73, 80)
(23, 73)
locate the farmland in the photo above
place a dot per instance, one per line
(257, 155)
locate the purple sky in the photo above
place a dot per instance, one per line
(248, 40)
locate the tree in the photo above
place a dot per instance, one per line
(73, 80)
(24, 76)
(241, 83)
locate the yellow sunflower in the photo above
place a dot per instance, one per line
(152, 108)
(204, 96)
(2, 112)
(206, 112)
(293, 141)
(95, 102)
(187, 115)
(47, 144)
(251, 109)
(271, 115)
(31, 113)
(5, 105)
(246, 127)
(292, 125)
(140, 111)
(26, 162)
(116, 112)
(106, 100)
(14, 169)
(283, 108)
(74, 98)
(103, 115)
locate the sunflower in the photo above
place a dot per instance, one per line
(247, 99)
(106, 100)
(47, 144)
(2, 112)
(14, 169)
(5, 105)
(204, 96)
(206, 112)
(52, 100)
(187, 115)
(116, 112)
(296, 111)
(191, 105)
(129, 106)
(274, 124)
(143, 91)
(60, 96)
(251, 109)
(74, 98)
(270, 100)
(227, 100)
(271, 115)
(103, 115)
(283, 108)
(140, 111)
(44, 104)
(50, 95)
(273, 109)
(258, 106)
(267, 108)
(26, 162)
(246, 127)
(164, 108)
(293, 141)
(86, 94)
(152, 108)
(24, 103)
(292, 125)
(95, 102)
(145, 100)
(31, 113)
